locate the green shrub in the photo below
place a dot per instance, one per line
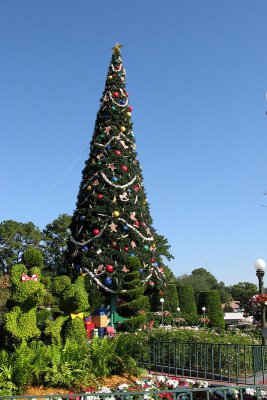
(211, 300)
(54, 328)
(74, 330)
(21, 325)
(187, 300)
(133, 302)
(61, 283)
(32, 258)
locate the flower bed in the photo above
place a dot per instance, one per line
(170, 388)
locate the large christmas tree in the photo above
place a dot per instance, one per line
(112, 220)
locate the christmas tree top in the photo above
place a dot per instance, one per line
(112, 220)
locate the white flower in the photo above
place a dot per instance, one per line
(123, 386)
(104, 389)
(161, 378)
(91, 398)
(250, 391)
(263, 394)
(173, 383)
(233, 392)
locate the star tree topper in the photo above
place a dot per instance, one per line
(117, 48)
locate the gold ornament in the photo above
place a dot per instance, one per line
(89, 187)
(117, 48)
(110, 77)
(116, 214)
(122, 129)
(114, 199)
(128, 114)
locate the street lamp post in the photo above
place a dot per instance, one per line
(162, 302)
(260, 267)
(204, 313)
(178, 312)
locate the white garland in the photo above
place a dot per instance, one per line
(117, 186)
(89, 240)
(117, 137)
(150, 239)
(118, 104)
(98, 281)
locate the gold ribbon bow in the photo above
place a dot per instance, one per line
(79, 315)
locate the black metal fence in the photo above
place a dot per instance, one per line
(241, 364)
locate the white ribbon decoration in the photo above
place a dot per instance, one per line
(117, 186)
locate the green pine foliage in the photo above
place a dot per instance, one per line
(211, 300)
(187, 302)
(133, 304)
(112, 220)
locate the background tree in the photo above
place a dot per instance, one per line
(112, 221)
(201, 280)
(55, 238)
(15, 237)
(211, 300)
(242, 292)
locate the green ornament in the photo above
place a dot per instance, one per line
(102, 135)
(113, 108)
(146, 247)
(99, 163)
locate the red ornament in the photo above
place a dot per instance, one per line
(96, 232)
(144, 224)
(118, 152)
(151, 283)
(109, 268)
(115, 94)
(130, 108)
(100, 195)
(136, 223)
(136, 188)
(126, 248)
(124, 168)
(117, 67)
(114, 244)
(127, 94)
(153, 259)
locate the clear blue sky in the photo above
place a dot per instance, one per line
(196, 76)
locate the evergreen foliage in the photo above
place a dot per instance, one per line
(201, 280)
(211, 300)
(187, 301)
(112, 220)
(15, 238)
(55, 237)
(133, 303)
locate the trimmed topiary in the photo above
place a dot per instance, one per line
(211, 300)
(32, 258)
(133, 304)
(187, 300)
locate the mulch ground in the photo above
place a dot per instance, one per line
(112, 382)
